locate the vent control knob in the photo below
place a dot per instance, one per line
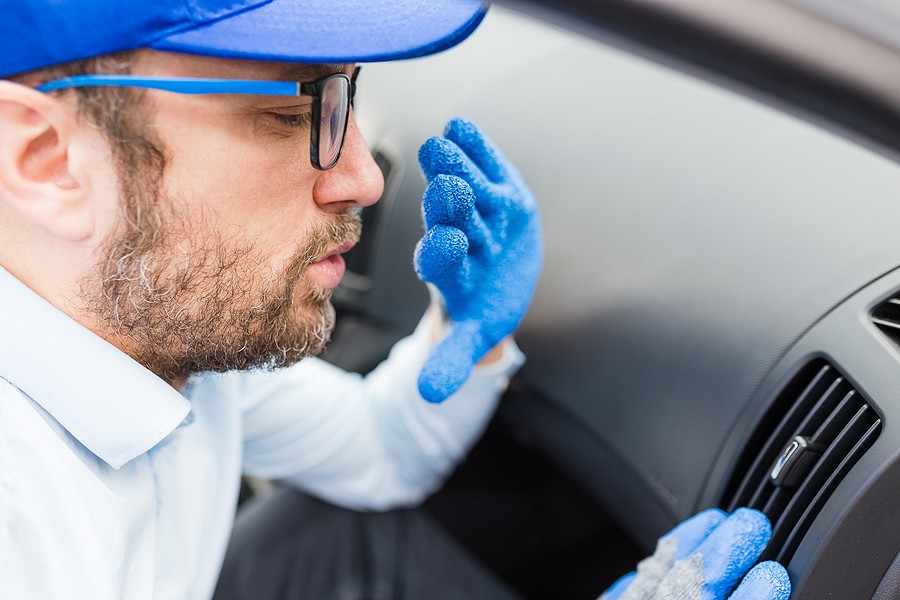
(795, 462)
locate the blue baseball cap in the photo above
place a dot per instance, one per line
(41, 33)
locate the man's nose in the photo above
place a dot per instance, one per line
(355, 180)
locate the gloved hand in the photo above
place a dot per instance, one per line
(482, 249)
(703, 558)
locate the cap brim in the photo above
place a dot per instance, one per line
(317, 31)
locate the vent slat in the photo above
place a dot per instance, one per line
(762, 496)
(886, 323)
(822, 406)
(829, 430)
(776, 503)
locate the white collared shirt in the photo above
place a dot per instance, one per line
(114, 485)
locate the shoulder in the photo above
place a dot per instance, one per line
(29, 435)
(62, 505)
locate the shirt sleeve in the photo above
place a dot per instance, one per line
(369, 443)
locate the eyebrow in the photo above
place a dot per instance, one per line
(310, 72)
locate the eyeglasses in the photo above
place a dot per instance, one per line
(332, 98)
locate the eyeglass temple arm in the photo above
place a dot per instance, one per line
(181, 85)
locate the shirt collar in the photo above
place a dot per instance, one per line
(110, 403)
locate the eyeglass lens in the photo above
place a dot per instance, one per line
(335, 98)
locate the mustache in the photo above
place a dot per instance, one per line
(342, 229)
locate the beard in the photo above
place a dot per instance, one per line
(181, 304)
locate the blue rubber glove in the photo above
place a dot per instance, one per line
(482, 249)
(703, 558)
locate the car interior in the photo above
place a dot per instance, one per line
(718, 318)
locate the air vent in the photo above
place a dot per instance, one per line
(816, 430)
(887, 318)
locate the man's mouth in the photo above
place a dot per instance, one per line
(328, 271)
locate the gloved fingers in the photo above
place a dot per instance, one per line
(451, 361)
(767, 580)
(442, 258)
(496, 167)
(615, 591)
(449, 200)
(730, 550)
(691, 532)
(483, 152)
(441, 156)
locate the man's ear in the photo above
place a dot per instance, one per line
(36, 178)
